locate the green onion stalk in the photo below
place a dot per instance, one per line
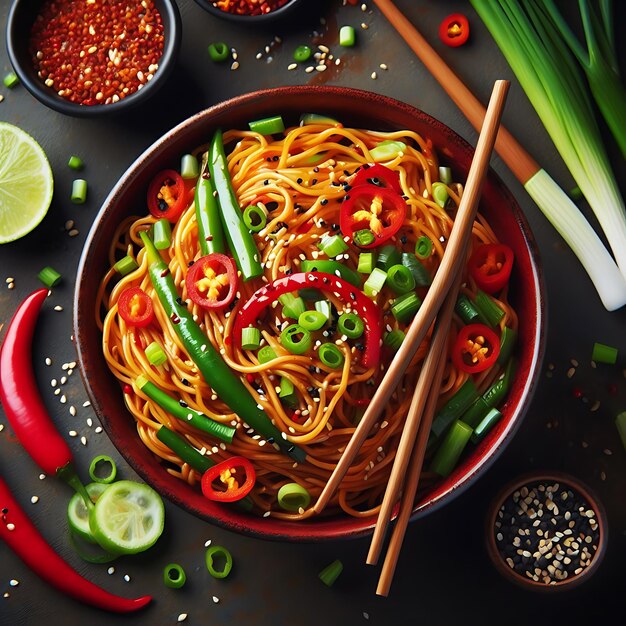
(549, 74)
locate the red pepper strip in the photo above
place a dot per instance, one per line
(26, 541)
(378, 175)
(230, 473)
(476, 348)
(212, 281)
(454, 30)
(377, 209)
(490, 266)
(167, 195)
(366, 308)
(19, 394)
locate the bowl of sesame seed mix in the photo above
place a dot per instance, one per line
(251, 12)
(95, 58)
(546, 531)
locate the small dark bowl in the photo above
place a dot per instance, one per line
(253, 20)
(535, 478)
(19, 23)
(352, 107)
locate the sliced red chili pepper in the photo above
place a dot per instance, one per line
(167, 195)
(378, 175)
(454, 30)
(490, 266)
(135, 307)
(360, 303)
(379, 210)
(212, 281)
(476, 348)
(229, 481)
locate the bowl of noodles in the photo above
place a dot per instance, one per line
(249, 279)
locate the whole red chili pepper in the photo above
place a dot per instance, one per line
(21, 400)
(23, 537)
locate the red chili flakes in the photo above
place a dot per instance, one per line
(96, 51)
(249, 7)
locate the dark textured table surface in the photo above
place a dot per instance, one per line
(444, 575)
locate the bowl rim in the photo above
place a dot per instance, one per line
(14, 43)
(264, 18)
(538, 476)
(358, 526)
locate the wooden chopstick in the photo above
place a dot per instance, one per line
(523, 166)
(414, 470)
(432, 303)
(468, 206)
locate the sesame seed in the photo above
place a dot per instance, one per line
(182, 617)
(292, 66)
(127, 578)
(34, 499)
(216, 599)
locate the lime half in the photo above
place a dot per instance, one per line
(26, 183)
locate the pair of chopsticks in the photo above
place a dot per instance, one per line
(438, 303)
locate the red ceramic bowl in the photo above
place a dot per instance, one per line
(353, 107)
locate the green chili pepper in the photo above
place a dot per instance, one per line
(212, 555)
(210, 232)
(240, 240)
(224, 382)
(185, 413)
(332, 267)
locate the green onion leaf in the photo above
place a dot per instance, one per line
(604, 354)
(393, 340)
(406, 306)
(268, 125)
(332, 245)
(125, 265)
(49, 277)
(331, 572)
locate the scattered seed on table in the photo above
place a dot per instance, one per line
(127, 578)
(374, 75)
(216, 599)
(58, 307)
(1, 427)
(72, 433)
(83, 440)
(111, 571)
(48, 361)
(34, 499)
(364, 26)
(571, 371)
(98, 429)
(13, 582)
(292, 66)
(73, 232)
(182, 617)
(607, 452)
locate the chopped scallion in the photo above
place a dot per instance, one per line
(449, 452)
(296, 339)
(125, 265)
(79, 191)
(363, 237)
(49, 277)
(332, 245)
(367, 262)
(324, 307)
(189, 167)
(604, 354)
(375, 282)
(486, 424)
(75, 163)
(293, 497)
(406, 306)
(174, 576)
(293, 306)
(393, 340)
(488, 308)
(312, 320)
(155, 354)
(255, 218)
(350, 325)
(420, 274)
(440, 194)
(387, 256)
(445, 174)
(330, 355)
(387, 150)
(162, 234)
(347, 36)
(266, 354)
(250, 338)
(423, 247)
(268, 125)
(465, 309)
(331, 572)
(218, 51)
(400, 279)
(11, 80)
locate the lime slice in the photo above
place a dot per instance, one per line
(26, 183)
(77, 513)
(127, 518)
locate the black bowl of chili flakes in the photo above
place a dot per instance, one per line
(93, 59)
(252, 12)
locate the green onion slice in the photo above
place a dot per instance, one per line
(95, 472)
(296, 339)
(375, 282)
(162, 234)
(332, 245)
(255, 218)
(423, 247)
(125, 265)
(312, 320)
(330, 355)
(250, 338)
(49, 277)
(79, 191)
(189, 167)
(351, 325)
(347, 36)
(155, 354)
(400, 279)
(331, 572)
(604, 354)
(174, 576)
(268, 125)
(266, 354)
(293, 497)
(219, 561)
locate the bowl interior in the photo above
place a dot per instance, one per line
(352, 107)
(19, 23)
